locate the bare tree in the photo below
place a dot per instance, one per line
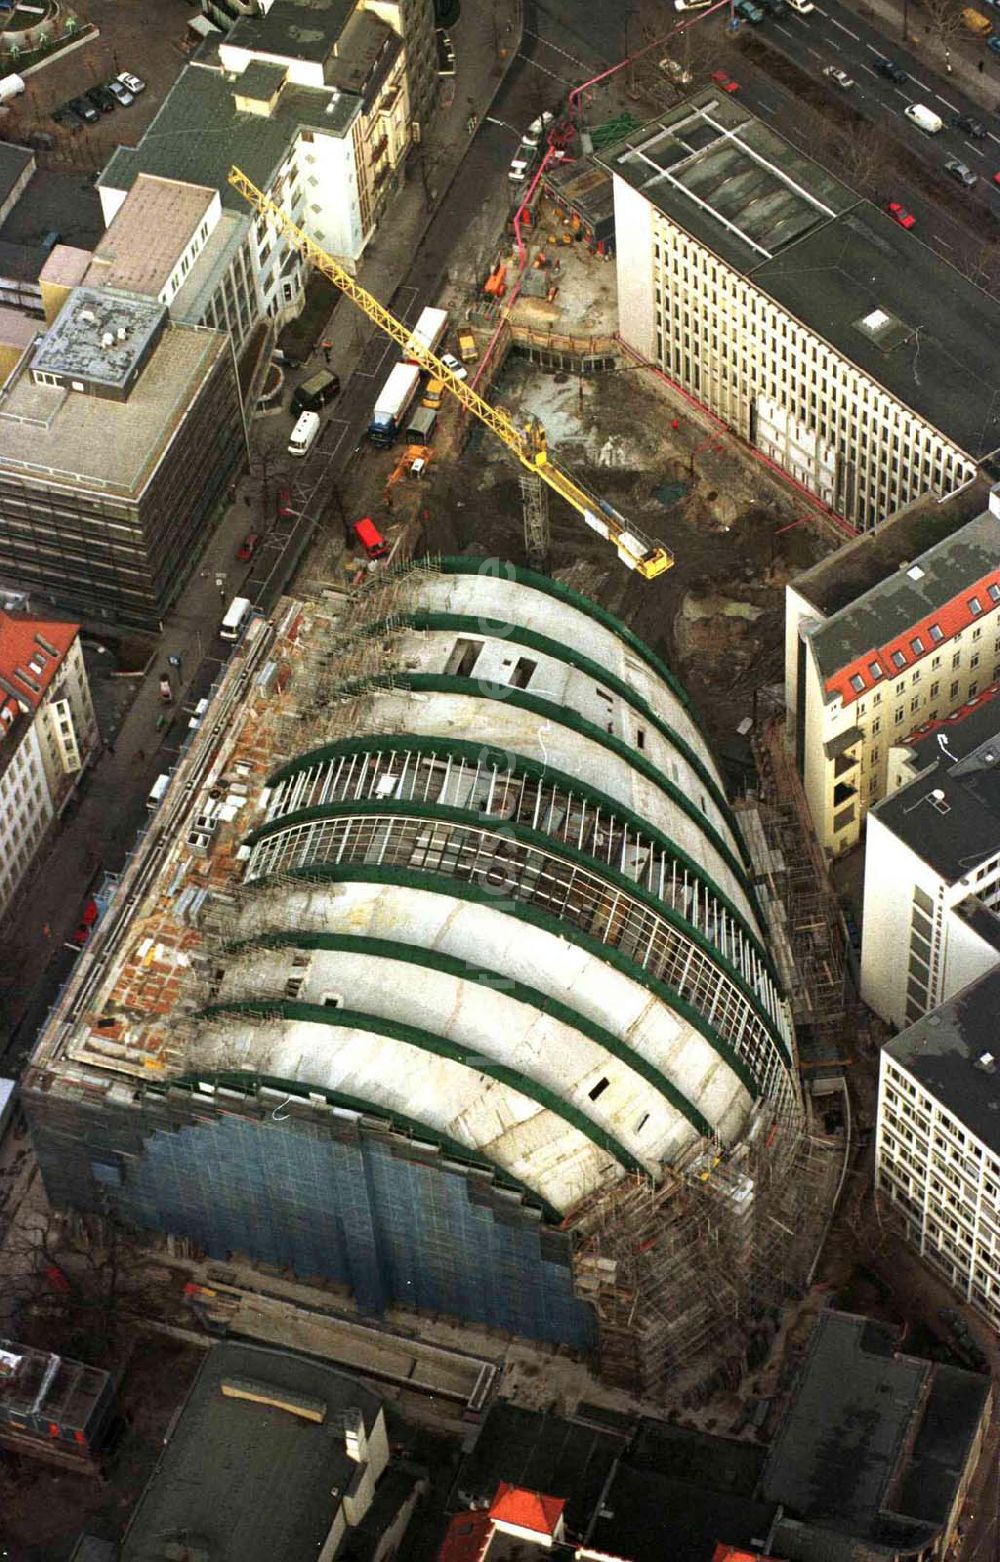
(863, 156)
(942, 19)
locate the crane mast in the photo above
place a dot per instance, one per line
(638, 552)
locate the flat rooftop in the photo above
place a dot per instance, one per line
(918, 587)
(880, 298)
(63, 436)
(841, 577)
(585, 186)
(365, 55)
(199, 133)
(874, 1443)
(293, 29)
(150, 230)
(942, 1052)
(99, 337)
(541, 1452)
(950, 815)
(241, 1481)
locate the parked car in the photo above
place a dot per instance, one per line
(748, 11)
(900, 214)
(121, 92)
(993, 42)
(924, 118)
(458, 369)
(247, 548)
(85, 110)
(971, 126)
(775, 8)
(135, 84)
(445, 53)
(283, 505)
(725, 81)
(65, 116)
(104, 101)
(996, 178)
(890, 70)
(960, 172)
(840, 77)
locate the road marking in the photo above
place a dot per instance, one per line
(325, 447)
(977, 149)
(847, 30)
(943, 241)
(921, 84)
(947, 105)
(993, 137)
(815, 52)
(821, 11)
(766, 107)
(868, 68)
(556, 49)
(544, 71)
(783, 30)
(904, 95)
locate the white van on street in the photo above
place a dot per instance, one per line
(304, 434)
(924, 118)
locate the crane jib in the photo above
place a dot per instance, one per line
(644, 554)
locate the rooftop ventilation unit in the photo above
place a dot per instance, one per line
(108, 340)
(87, 317)
(915, 572)
(121, 333)
(986, 1062)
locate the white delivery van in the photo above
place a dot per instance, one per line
(157, 792)
(237, 614)
(802, 6)
(304, 434)
(924, 118)
(11, 87)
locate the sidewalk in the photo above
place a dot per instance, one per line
(962, 53)
(103, 827)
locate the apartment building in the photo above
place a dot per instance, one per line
(848, 354)
(895, 631)
(119, 434)
(937, 1150)
(932, 866)
(48, 732)
(316, 110)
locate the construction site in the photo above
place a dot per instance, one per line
(571, 1108)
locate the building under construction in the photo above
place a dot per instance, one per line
(441, 976)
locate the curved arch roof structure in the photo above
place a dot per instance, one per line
(520, 913)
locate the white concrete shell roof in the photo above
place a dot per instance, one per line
(525, 924)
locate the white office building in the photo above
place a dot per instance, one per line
(850, 355)
(938, 1140)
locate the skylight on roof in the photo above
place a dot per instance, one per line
(915, 572)
(876, 320)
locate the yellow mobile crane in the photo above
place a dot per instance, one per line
(638, 552)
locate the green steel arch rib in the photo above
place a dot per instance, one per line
(545, 843)
(457, 565)
(419, 743)
(513, 634)
(502, 693)
(521, 992)
(440, 1046)
(456, 889)
(407, 1127)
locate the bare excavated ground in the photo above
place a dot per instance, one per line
(717, 616)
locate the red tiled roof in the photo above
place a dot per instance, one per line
(724, 1553)
(527, 1509)
(465, 1538)
(907, 649)
(31, 650)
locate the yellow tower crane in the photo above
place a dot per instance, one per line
(638, 552)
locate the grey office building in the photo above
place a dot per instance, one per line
(119, 433)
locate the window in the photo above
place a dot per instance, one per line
(898, 716)
(915, 704)
(953, 691)
(977, 632)
(993, 592)
(936, 633)
(598, 1089)
(876, 725)
(936, 662)
(974, 660)
(935, 687)
(898, 659)
(917, 646)
(857, 683)
(874, 670)
(975, 606)
(956, 660)
(973, 689)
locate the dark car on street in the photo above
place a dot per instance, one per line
(971, 126)
(891, 71)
